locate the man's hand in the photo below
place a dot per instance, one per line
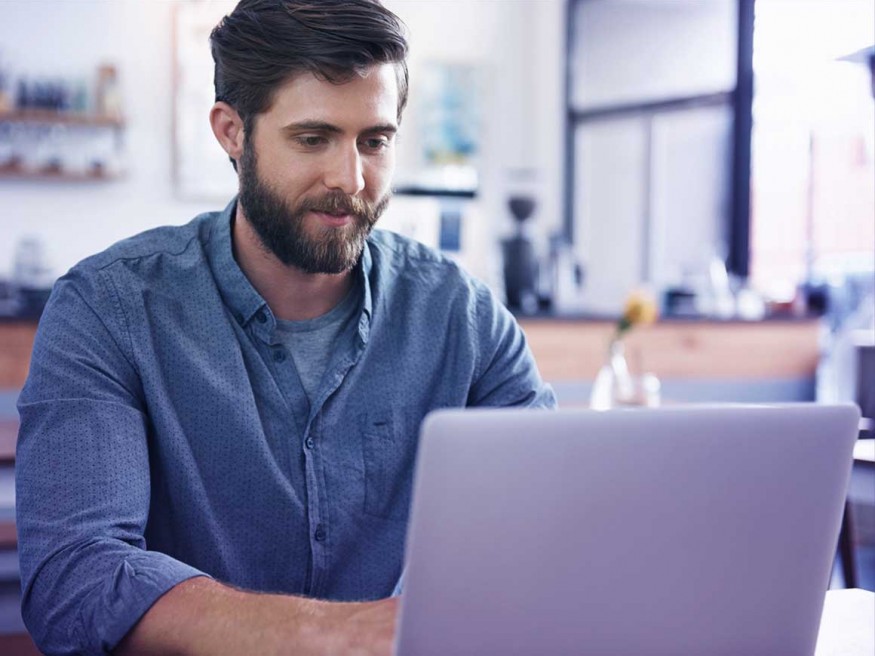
(201, 616)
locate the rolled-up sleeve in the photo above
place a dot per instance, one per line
(82, 478)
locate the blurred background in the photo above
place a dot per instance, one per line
(632, 126)
(626, 122)
(718, 154)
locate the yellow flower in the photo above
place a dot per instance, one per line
(640, 308)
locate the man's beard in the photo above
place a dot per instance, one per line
(282, 230)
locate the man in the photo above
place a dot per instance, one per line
(220, 421)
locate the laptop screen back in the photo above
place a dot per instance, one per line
(671, 531)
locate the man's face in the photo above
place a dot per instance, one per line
(315, 175)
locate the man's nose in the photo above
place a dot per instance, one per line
(344, 171)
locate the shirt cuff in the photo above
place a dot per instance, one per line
(137, 583)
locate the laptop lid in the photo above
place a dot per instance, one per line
(688, 530)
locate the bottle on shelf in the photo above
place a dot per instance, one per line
(108, 97)
(5, 92)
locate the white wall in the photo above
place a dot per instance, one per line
(519, 43)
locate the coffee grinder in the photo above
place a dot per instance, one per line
(520, 259)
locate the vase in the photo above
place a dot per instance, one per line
(613, 386)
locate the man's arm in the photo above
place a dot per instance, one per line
(82, 478)
(506, 373)
(202, 617)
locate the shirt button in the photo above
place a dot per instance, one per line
(279, 355)
(261, 317)
(309, 443)
(320, 533)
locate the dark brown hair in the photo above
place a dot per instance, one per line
(263, 43)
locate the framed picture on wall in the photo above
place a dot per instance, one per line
(441, 145)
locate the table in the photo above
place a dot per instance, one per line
(864, 451)
(847, 626)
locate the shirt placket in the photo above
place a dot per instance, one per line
(317, 509)
(315, 459)
(303, 440)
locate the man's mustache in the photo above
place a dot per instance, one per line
(338, 202)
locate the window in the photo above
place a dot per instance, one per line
(652, 115)
(813, 144)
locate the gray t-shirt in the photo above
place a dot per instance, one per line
(311, 342)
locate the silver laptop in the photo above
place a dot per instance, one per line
(682, 531)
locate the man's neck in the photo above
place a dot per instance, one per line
(290, 293)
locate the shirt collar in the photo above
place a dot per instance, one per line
(239, 294)
(364, 273)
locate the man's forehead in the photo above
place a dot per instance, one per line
(370, 98)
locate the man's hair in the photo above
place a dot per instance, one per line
(264, 43)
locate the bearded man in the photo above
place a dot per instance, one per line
(220, 421)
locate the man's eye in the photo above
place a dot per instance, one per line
(310, 140)
(376, 143)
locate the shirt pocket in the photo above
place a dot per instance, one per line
(390, 438)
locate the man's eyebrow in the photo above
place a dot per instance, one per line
(311, 126)
(322, 126)
(389, 128)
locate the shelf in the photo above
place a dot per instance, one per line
(409, 190)
(45, 116)
(11, 173)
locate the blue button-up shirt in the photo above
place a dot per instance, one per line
(165, 433)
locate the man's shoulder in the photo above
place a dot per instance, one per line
(171, 240)
(399, 255)
(412, 278)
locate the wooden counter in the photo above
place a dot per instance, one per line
(16, 343)
(575, 350)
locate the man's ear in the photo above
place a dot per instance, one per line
(228, 128)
